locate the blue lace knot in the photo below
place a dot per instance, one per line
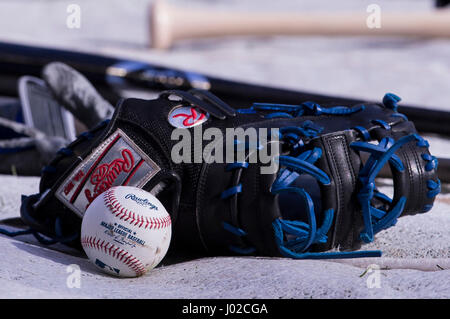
(367, 190)
(390, 100)
(432, 162)
(434, 188)
(421, 142)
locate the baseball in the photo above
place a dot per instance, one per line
(126, 231)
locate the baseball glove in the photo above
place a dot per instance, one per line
(316, 196)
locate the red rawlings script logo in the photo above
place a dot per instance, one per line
(104, 176)
(191, 119)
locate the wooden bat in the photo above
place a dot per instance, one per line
(169, 24)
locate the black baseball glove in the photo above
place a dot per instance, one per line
(273, 180)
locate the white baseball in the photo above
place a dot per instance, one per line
(126, 231)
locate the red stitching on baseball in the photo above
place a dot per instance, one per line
(132, 262)
(133, 218)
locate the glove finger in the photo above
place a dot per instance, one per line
(76, 94)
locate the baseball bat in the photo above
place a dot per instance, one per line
(111, 74)
(169, 24)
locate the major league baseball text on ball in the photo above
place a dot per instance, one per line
(126, 231)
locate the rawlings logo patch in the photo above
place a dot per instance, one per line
(187, 116)
(106, 174)
(116, 161)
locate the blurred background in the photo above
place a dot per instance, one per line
(415, 68)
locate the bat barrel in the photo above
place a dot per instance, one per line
(170, 24)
